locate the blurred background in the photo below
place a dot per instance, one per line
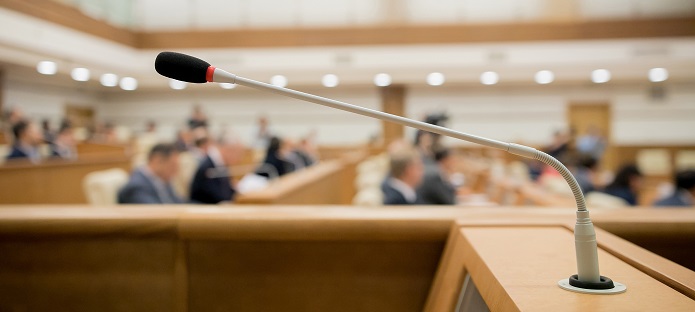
(544, 73)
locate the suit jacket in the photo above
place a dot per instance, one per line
(17, 153)
(392, 196)
(209, 186)
(140, 189)
(677, 199)
(435, 191)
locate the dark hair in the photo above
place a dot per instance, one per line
(164, 150)
(64, 127)
(273, 146)
(20, 128)
(201, 141)
(588, 161)
(685, 179)
(622, 178)
(441, 154)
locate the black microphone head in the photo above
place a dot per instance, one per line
(181, 67)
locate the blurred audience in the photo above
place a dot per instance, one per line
(592, 143)
(276, 163)
(262, 135)
(405, 174)
(586, 171)
(27, 139)
(436, 187)
(559, 145)
(198, 118)
(64, 145)
(151, 183)
(48, 134)
(684, 192)
(626, 185)
(424, 144)
(184, 140)
(211, 182)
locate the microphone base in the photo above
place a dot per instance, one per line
(605, 287)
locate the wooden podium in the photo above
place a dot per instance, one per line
(517, 267)
(332, 258)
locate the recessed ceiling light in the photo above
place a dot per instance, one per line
(544, 77)
(177, 84)
(435, 79)
(600, 76)
(47, 67)
(382, 80)
(658, 74)
(129, 83)
(279, 81)
(225, 85)
(80, 74)
(109, 80)
(489, 78)
(329, 80)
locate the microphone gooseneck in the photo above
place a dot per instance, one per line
(588, 280)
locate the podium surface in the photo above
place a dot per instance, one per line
(517, 269)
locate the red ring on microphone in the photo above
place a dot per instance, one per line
(209, 73)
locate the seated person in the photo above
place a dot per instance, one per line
(211, 182)
(405, 174)
(64, 143)
(27, 137)
(151, 183)
(436, 188)
(626, 185)
(684, 194)
(275, 163)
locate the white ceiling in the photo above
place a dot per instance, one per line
(33, 40)
(158, 15)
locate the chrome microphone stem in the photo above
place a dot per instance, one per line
(585, 236)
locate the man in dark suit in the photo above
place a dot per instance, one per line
(684, 194)
(436, 189)
(211, 182)
(63, 146)
(151, 183)
(405, 174)
(27, 137)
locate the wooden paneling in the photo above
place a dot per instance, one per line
(392, 102)
(67, 16)
(53, 181)
(420, 34)
(64, 15)
(311, 276)
(259, 258)
(326, 183)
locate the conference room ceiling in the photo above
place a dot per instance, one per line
(628, 51)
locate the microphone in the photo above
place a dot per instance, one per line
(588, 280)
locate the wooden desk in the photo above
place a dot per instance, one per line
(54, 181)
(328, 182)
(284, 258)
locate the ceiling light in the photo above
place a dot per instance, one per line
(489, 78)
(177, 84)
(129, 83)
(435, 79)
(600, 76)
(80, 74)
(329, 80)
(279, 81)
(658, 74)
(227, 86)
(109, 80)
(544, 77)
(382, 80)
(47, 68)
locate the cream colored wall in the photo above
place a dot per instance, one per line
(526, 114)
